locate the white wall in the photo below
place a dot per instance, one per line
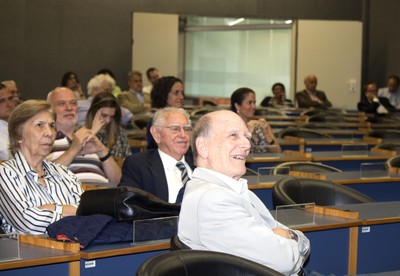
(329, 49)
(155, 43)
(332, 51)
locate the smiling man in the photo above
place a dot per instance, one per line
(218, 211)
(156, 170)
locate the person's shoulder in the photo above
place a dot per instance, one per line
(141, 157)
(300, 92)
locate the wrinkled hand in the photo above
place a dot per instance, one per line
(282, 232)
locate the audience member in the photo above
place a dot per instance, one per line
(243, 102)
(392, 91)
(134, 99)
(34, 192)
(152, 75)
(310, 96)
(168, 91)
(155, 170)
(79, 149)
(278, 99)
(12, 86)
(103, 118)
(116, 90)
(371, 103)
(97, 84)
(219, 212)
(71, 81)
(7, 104)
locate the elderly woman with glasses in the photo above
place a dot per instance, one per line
(34, 192)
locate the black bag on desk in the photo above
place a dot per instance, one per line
(125, 203)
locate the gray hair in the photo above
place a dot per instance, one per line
(159, 116)
(98, 81)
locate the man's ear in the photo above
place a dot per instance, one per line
(237, 107)
(155, 132)
(202, 147)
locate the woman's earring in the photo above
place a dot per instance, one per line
(237, 110)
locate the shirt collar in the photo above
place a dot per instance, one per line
(26, 168)
(238, 186)
(168, 161)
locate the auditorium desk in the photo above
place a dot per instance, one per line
(379, 188)
(348, 162)
(257, 160)
(118, 259)
(36, 260)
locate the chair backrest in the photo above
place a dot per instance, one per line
(317, 125)
(177, 244)
(393, 162)
(385, 134)
(200, 263)
(325, 118)
(303, 133)
(309, 167)
(292, 190)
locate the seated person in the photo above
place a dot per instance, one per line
(103, 118)
(134, 99)
(167, 91)
(279, 98)
(79, 149)
(97, 84)
(392, 91)
(311, 97)
(34, 192)
(155, 170)
(243, 102)
(372, 104)
(219, 213)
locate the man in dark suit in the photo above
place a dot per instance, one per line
(155, 170)
(373, 104)
(311, 97)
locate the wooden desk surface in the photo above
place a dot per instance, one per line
(32, 255)
(274, 157)
(110, 250)
(318, 156)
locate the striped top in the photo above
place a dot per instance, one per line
(21, 194)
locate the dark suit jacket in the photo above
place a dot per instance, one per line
(304, 101)
(145, 171)
(371, 107)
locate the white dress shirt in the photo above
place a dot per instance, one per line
(220, 214)
(173, 174)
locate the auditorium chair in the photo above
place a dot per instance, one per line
(303, 133)
(309, 167)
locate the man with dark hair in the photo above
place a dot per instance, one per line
(152, 76)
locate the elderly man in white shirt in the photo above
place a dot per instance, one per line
(218, 211)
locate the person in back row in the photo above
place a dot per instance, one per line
(163, 172)
(243, 102)
(392, 91)
(7, 104)
(373, 104)
(79, 149)
(219, 212)
(310, 96)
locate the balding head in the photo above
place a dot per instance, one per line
(65, 105)
(311, 82)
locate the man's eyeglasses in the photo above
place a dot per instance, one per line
(8, 99)
(175, 129)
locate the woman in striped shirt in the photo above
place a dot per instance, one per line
(34, 192)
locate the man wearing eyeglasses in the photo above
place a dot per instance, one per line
(157, 170)
(7, 105)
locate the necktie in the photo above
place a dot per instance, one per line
(185, 178)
